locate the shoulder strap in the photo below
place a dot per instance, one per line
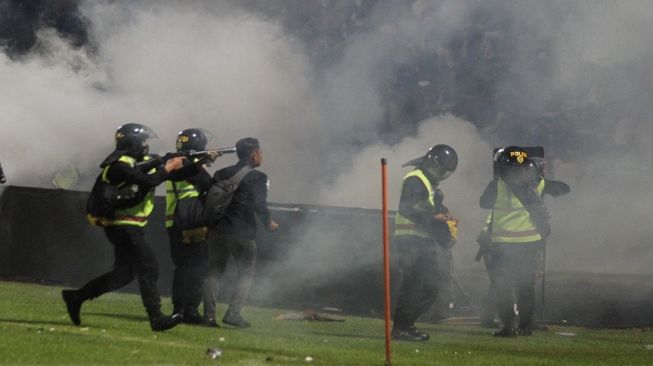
(174, 188)
(238, 177)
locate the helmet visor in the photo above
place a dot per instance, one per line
(437, 171)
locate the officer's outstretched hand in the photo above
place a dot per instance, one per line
(212, 155)
(174, 164)
(443, 217)
(272, 226)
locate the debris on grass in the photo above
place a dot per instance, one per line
(332, 309)
(221, 339)
(308, 359)
(648, 347)
(214, 353)
(566, 334)
(310, 315)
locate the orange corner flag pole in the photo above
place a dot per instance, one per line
(386, 256)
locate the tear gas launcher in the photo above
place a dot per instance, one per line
(190, 155)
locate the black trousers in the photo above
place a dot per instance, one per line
(515, 277)
(190, 262)
(133, 258)
(425, 271)
(490, 300)
(243, 250)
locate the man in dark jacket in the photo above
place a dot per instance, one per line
(235, 234)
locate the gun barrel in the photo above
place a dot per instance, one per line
(226, 150)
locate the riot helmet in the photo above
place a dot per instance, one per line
(439, 162)
(193, 139)
(514, 164)
(133, 139)
(540, 166)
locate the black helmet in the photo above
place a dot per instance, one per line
(132, 138)
(513, 163)
(438, 162)
(539, 165)
(511, 156)
(192, 139)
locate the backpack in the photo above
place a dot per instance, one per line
(105, 198)
(220, 196)
(189, 213)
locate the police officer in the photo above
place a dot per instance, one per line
(424, 233)
(514, 235)
(518, 226)
(188, 245)
(125, 229)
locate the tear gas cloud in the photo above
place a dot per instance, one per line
(575, 79)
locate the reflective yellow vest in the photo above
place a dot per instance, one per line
(511, 222)
(133, 216)
(184, 190)
(404, 226)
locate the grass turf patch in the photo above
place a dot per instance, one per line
(35, 329)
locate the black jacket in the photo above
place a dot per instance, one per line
(250, 200)
(413, 194)
(120, 172)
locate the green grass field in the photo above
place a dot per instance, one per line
(34, 329)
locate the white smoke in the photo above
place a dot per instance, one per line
(173, 65)
(169, 67)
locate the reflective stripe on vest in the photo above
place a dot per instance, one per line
(137, 215)
(184, 190)
(404, 226)
(511, 222)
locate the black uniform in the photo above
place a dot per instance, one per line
(190, 256)
(133, 256)
(425, 263)
(512, 266)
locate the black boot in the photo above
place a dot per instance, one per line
(525, 331)
(192, 316)
(211, 323)
(236, 320)
(160, 322)
(73, 304)
(525, 328)
(507, 332)
(409, 334)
